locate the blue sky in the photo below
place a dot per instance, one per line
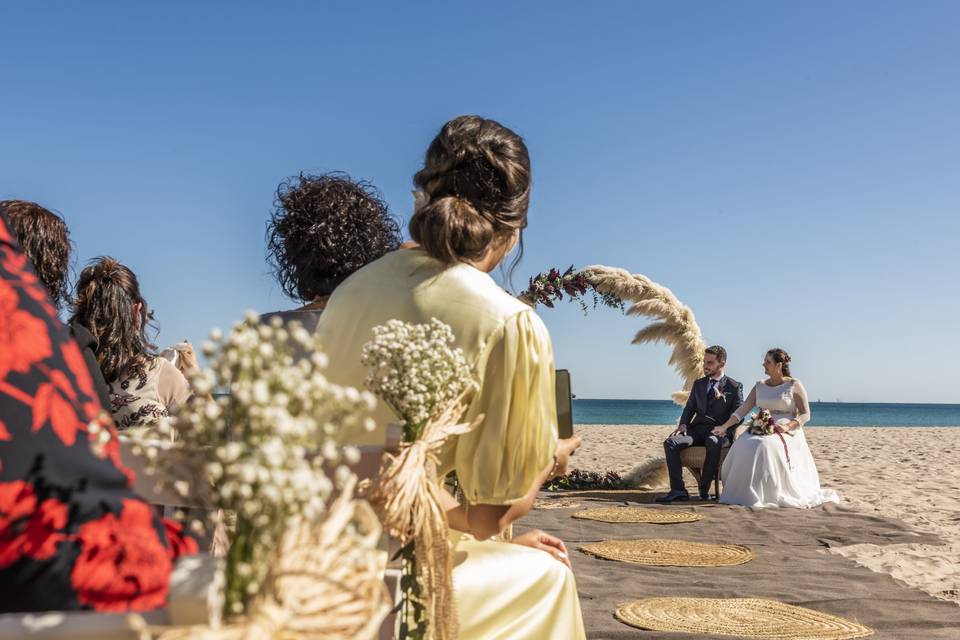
(789, 169)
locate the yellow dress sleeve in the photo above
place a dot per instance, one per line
(499, 460)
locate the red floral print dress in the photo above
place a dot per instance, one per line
(73, 535)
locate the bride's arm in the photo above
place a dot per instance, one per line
(803, 406)
(737, 416)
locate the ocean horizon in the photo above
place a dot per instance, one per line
(823, 414)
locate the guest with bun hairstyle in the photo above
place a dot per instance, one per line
(474, 194)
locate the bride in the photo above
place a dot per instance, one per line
(774, 470)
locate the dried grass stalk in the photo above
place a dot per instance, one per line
(326, 584)
(650, 475)
(406, 495)
(675, 326)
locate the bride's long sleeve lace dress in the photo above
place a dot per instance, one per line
(774, 471)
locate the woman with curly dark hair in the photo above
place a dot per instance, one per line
(322, 229)
(143, 386)
(45, 239)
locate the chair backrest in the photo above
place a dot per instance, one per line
(146, 485)
(72, 625)
(368, 467)
(371, 455)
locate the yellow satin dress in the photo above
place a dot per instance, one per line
(502, 590)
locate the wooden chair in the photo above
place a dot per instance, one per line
(367, 467)
(694, 457)
(151, 490)
(148, 486)
(72, 625)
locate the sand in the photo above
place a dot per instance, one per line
(911, 474)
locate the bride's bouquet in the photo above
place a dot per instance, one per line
(761, 423)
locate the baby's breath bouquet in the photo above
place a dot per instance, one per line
(417, 372)
(266, 448)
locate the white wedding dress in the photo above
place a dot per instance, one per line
(759, 471)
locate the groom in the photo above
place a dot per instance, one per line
(712, 400)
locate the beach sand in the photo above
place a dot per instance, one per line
(911, 474)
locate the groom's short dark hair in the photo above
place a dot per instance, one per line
(718, 351)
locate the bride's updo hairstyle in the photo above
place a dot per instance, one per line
(782, 357)
(476, 179)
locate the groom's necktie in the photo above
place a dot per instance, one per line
(711, 388)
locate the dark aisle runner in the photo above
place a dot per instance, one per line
(792, 565)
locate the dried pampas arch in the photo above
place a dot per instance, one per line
(673, 324)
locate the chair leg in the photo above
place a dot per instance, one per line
(716, 483)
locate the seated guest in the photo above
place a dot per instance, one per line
(475, 186)
(323, 228)
(73, 535)
(44, 237)
(143, 386)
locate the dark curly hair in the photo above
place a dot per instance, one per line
(322, 229)
(107, 298)
(46, 241)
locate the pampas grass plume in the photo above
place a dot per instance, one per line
(650, 475)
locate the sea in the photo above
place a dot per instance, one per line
(823, 414)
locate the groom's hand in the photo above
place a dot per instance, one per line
(680, 431)
(719, 431)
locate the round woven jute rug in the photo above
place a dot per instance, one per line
(670, 553)
(555, 503)
(638, 515)
(740, 617)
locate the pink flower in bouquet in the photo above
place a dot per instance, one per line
(762, 423)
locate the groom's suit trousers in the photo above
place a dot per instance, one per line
(697, 436)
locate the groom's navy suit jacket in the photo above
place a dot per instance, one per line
(711, 411)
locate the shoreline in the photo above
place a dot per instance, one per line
(911, 476)
(808, 426)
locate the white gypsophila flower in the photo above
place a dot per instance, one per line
(415, 369)
(265, 446)
(351, 455)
